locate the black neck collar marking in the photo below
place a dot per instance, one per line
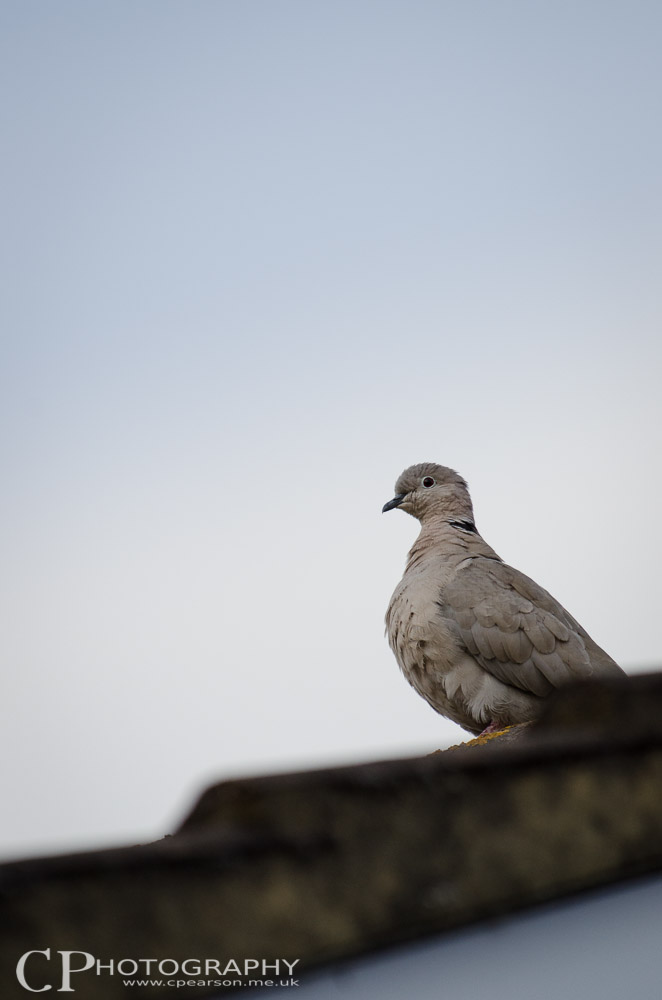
(464, 526)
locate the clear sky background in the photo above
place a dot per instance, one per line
(258, 257)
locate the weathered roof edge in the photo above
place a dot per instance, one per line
(325, 864)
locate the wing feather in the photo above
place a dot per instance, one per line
(515, 629)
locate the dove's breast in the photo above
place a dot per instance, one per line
(434, 659)
(427, 651)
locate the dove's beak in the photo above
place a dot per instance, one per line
(395, 502)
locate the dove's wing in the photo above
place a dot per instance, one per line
(517, 631)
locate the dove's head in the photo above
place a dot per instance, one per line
(429, 491)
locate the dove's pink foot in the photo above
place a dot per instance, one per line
(494, 727)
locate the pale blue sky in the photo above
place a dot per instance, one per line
(259, 257)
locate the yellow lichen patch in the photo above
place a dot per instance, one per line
(480, 741)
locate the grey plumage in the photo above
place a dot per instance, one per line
(480, 641)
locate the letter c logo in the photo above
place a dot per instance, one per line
(20, 970)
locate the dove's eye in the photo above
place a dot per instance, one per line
(428, 482)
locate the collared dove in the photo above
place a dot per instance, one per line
(480, 641)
